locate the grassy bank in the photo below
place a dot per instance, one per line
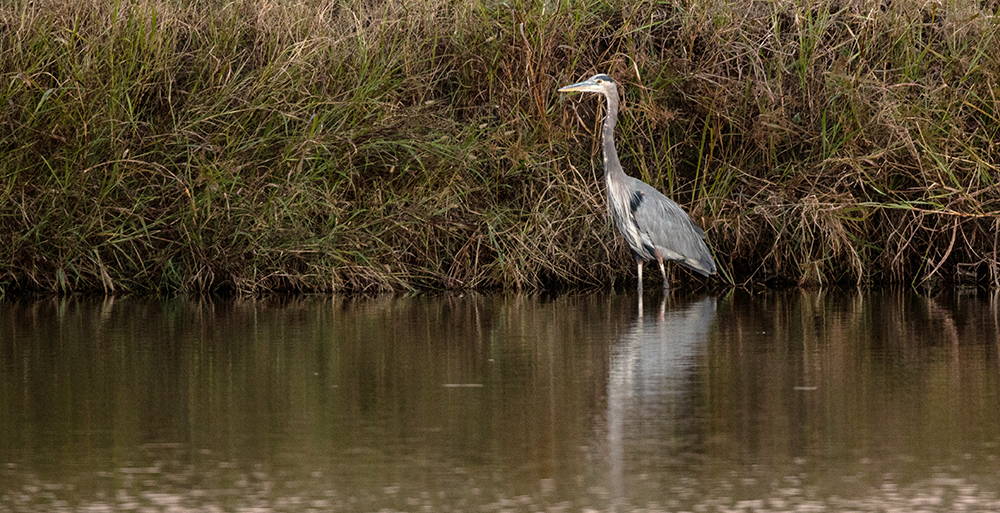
(256, 145)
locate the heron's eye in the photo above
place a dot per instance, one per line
(599, 81)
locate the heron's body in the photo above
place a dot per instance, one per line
(654, 226)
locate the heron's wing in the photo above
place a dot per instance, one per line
(669, 228)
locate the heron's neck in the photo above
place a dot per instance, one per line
(611, 164)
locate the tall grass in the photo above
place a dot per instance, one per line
(257, 145)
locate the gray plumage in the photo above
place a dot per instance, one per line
(654, 227)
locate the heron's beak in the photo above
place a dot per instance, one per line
(586, 85)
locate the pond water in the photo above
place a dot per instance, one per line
(778, 401)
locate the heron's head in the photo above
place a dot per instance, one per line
(599, 83)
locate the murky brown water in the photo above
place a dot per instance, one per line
(790, 401)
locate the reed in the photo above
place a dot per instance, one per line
(257, 146)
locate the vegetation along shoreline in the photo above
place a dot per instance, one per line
(255, 146)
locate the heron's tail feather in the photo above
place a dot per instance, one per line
(704, 265)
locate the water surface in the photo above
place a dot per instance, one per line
(782, 401)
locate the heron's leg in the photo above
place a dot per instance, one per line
(663, 271)
(638, 263)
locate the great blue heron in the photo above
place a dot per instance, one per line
(654, 226)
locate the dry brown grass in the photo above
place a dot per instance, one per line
(252, 146)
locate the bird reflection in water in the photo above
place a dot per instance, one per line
(653, 368)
